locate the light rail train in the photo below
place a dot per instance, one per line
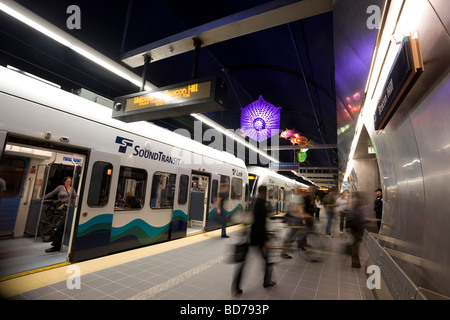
(279, 187)
(133, 180)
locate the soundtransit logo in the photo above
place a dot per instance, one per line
(145, 153)
(124, 144)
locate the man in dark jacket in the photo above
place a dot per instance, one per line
(258, 239)
(378, 206)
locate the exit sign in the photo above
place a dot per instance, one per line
(371, 150)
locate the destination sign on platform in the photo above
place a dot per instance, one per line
(197, 96)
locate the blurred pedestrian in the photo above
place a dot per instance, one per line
(318, 205)
(329, 202)
(342, 208)
(258, 241)
(221, 212)
(293, 218)
(357, 219)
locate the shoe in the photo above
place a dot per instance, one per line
(285, 255)
(236, 292)
(269, 284)
(329, 235)
(52, 249)
(225, 236)
(302, 248)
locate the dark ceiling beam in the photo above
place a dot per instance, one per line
(263, 17)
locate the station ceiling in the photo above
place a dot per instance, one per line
(287, 60)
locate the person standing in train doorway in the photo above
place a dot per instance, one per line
(222, 214)
(65, 192)
(378, 207)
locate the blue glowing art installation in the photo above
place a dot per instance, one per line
(260, 120)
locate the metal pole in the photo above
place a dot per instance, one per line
(197, 45)
(144, 72)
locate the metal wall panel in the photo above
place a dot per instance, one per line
(412, 154)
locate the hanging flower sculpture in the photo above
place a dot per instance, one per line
(260, 120)
(295, 137)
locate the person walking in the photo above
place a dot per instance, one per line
(258, 241)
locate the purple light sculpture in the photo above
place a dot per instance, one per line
(260, 120)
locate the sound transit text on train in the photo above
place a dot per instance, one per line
(156, 155)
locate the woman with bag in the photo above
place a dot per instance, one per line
(258, 240)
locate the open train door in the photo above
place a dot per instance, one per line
(181, 204)
(95, 215)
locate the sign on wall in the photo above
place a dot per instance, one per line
(405, 71)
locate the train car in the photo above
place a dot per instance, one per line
(133, 181)
(279, 187)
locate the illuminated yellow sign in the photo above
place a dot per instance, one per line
(195, 96)
(178, 95)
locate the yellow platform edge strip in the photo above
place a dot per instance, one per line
(38, 278)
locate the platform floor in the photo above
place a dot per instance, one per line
(195, 268)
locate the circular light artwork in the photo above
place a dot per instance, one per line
(260, 120)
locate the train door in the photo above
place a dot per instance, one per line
(282, 200)
(198, 204)
(181, 204)
(12, 177)
(30, 172)
(96, 210)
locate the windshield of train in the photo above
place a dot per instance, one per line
(252, 180)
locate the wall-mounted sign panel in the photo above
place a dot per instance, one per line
(197, 96)
(405, 71)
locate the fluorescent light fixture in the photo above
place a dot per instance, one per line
(34, 21)
(228, 133)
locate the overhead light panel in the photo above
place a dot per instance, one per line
(34, 21)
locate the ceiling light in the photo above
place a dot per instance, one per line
(34, 21)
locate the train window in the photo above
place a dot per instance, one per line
(236, 188)
(131, 189)
(99, 187)
(214, 189)
(11, 176)
(270, 191)
(225, 186)
(276, 192)
(184, 187)
(163, 190)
